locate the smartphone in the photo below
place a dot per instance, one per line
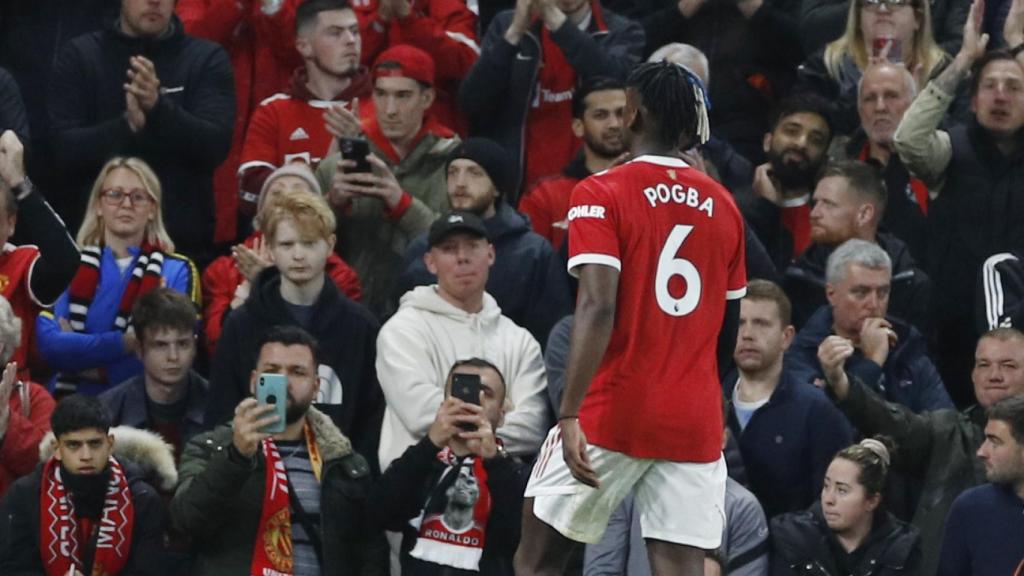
(272, 389)
(895, 49)
(356, 149)
(466, 387)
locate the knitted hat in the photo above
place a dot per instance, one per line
(490, 156)
(297, 169)
(411, 63)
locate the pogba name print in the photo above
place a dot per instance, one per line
(663, 194)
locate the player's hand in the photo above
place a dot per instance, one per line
(832, 355)
(342, 123)
(574, 451)
(764, 186)
(250, 419)
(876, 339)
(12, 159)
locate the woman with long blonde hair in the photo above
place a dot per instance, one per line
(126, 252)
(876, 30)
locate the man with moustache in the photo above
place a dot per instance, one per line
(778, 203)
(321, 104)
(289, 502)
(597, 119)
(938, 447)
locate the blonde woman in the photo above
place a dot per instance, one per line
(126, 252)
(897, 30)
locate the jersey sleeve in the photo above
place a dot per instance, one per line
(737, 286)
(593, 227)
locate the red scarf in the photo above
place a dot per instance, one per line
(272, 554)
(460, 547)
(145, 276)
(61, 532)
(550, 143)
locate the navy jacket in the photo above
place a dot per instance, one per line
(186, 136)
(984, 533)
(528, 280)
(789, 443)
(908, 377)
(127, 404)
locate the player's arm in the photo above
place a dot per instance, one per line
(727, 337)
(592, 329)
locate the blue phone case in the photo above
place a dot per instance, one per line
(273, 389)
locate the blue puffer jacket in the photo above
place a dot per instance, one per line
(528, 279)
(908, 377)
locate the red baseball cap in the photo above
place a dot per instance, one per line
(406, 62)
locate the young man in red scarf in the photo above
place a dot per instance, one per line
(277, 504)
(81, 512)
(454, 495)
(519, 93)
(381, 212)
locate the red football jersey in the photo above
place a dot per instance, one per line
(676, 237)
(15, 268)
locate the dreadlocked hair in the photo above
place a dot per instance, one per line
(675, 99)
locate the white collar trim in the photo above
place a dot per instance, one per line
(667, 161)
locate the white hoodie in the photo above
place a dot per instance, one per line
(417, 347)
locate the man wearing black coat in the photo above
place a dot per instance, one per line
(142, 87)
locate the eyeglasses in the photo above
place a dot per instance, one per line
(137, 196)
(889, 4)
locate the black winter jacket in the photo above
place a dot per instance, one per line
(497, 92)
(12, 108)
(186, 136)
(19, 528)
(401, 492)
(803, 544)
(347, 335)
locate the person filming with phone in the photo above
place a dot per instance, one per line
(454, 495)
(279, 489)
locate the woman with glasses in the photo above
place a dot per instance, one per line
(848, 531)
(876, 30)
(126, 252)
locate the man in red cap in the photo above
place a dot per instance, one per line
(321, 104)
(382, 210)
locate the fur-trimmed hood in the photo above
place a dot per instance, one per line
(329, 439)
(146, 450)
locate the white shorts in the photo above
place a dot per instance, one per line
(679, 502)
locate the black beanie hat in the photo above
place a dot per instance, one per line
(490, 156)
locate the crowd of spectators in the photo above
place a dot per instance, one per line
(371, 198)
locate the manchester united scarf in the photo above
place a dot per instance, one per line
(65, 538)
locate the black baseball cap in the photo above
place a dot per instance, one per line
(456, 222)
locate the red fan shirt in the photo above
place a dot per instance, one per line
(15, 268)
(676, 237)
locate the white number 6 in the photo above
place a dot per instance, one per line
(669, 266)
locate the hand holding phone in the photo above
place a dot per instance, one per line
(272, 390)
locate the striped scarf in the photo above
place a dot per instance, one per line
(146, 275)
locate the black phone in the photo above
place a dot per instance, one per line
(466, 387)
(356, 149)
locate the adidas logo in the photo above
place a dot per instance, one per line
(299, 134)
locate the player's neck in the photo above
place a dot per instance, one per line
(326, 86)
(642, 146)
(758, 385)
